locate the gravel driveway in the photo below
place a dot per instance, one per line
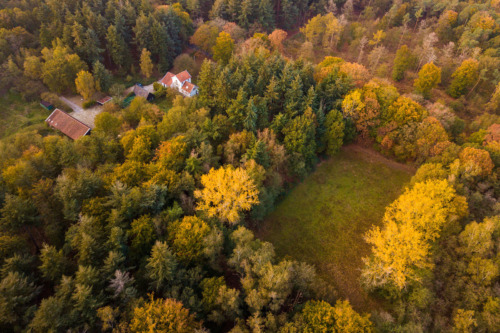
(86, 116)
(74, 106)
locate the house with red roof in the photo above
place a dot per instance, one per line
(180, 82)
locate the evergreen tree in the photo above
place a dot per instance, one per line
(102, 76)
(403, 61)
(117, 47)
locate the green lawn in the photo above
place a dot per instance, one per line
(17, 115)
(323, 219)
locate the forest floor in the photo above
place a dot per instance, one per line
(323, 220)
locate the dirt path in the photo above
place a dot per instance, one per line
(74, 106)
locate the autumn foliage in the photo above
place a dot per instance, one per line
(226, 194)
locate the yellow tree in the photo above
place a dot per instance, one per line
(494, 103)
(428, 78)
(378, 37)
(428, 207)
(188, 238)
(227, 193)
(146, 63)
(464, 78)
(400, 251)
(85, 84)
(475, 162)
(223, 49)
(323, 30)
(159, 315)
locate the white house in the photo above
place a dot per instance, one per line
(181, 82)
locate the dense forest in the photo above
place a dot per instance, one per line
(147, 224)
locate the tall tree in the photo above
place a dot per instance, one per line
(428, 78)
(146, 63)
(102, 76)
(85, 85)
(117, 47)
(223, 48)
(464, 78)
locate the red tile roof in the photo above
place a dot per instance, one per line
(167, 79)
(65, 123)
(104, 100)
(183, 76)
(188, 87)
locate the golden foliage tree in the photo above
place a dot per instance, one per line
(401, 249)
(158, 315)
(464, 78)
(475, 162)
(320, 316)
(85, 84)
(323, 30)
(188, 238)
(428, 77)
(146, 63)
(223, 49)
(227, 193)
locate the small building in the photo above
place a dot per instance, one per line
(46, 105)
(180, 82)
(140, 91)
(67, 124)
(104, 100)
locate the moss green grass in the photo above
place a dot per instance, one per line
(322, 221)
(17, 115)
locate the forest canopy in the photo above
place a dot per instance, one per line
(149, 222)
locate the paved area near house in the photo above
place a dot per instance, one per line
(86, 116)
(72, 103)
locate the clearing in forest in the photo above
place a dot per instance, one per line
(322, 221)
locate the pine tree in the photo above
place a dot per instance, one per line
(117, 47)
(266, 14)
(250, 122)
(334, 134)
(102, 76)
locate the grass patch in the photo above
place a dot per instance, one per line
(18, 115)
(322, 221)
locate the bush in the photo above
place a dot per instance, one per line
(88, 104)
(157, 86)
(54, 100)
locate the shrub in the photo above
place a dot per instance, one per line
(88, 104)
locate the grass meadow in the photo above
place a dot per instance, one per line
(17, 115)
(322, 220)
